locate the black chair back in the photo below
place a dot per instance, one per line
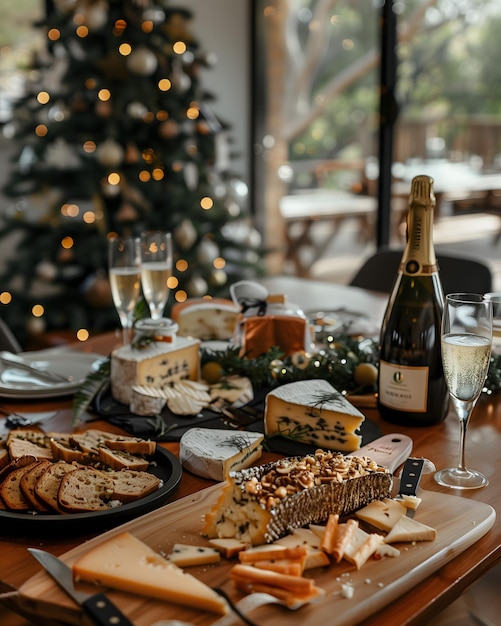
(457, 273)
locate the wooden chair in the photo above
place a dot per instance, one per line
(456, 273)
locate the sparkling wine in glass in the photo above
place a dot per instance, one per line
(156, 269)
(466, 351)
(124, 264)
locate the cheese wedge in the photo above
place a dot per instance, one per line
(184, 555)
(315, 413)
(228, 546)
(125, 563)
(382, 514)
(409, 529)
(213, 453)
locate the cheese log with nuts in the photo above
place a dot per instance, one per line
(124, 562)
(315, 413)
(213, 453)
(157, 364)
(260, 504)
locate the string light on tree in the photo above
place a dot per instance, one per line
(118, 119)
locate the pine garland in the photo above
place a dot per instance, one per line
(336, 364)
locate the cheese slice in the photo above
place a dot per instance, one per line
(385, 549)
(125, 563)
(214, 453)
(313, 412)
(361, 547)
(315, 556)
(409, 529)
(184, 555)
(382, 514)
(228, 546)
(410, 502)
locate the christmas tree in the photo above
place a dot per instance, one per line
(117, 135)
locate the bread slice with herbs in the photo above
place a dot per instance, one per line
(47, 487)
(11, 492)
(130, 485)
(117, 460)
(63, 449)
(84, 490)
(21, 442)
(28, 482)
(132, 445)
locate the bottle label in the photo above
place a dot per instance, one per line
(403, 388)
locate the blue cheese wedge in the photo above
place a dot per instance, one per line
(213, 453)
(313, 412)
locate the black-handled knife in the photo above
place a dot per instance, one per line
(102, 611)
(410, 479)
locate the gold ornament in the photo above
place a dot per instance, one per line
(301, 360)
(211, 372)
(365, 374)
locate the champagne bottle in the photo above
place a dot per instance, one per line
(412, 389)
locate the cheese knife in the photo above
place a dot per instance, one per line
(102, 611)
(409, 481)
(391, 451)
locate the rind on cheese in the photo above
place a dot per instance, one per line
(206, 320)
(157, 364)
(261, 504)
(125, 563)
(214, 453)
(315, 413)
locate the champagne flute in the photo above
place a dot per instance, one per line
(466, 350)
(156, 269)
(125, 279)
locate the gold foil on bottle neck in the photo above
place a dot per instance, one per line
(422, 194)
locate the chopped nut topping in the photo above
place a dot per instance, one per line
(291, 475)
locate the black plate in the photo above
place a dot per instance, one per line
(164, 465)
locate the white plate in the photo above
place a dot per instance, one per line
(16, 383)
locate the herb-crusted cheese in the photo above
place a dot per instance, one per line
(214, 453)
(261, 504)
(313, 412)
(157, 364)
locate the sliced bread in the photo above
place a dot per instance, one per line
(64, 450)
(117, 460)
(130, 485)
(132, 445)
(84, 490)
(28, 482)
(47, 487)
(10, 489)
(21, 442)
(21, 461)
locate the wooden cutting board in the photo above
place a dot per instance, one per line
(459, 523)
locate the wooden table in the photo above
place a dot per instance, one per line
(438, 443)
